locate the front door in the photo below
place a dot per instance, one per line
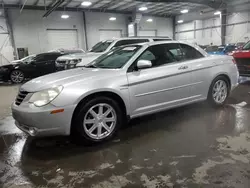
(166, 84)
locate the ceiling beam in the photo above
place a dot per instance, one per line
(215, 4)
(67, 3)
(36, 2)
(53, 7)
(31, 7)
(111, 3)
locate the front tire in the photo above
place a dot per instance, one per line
(17, 76)
(97, 120)
(218, 91)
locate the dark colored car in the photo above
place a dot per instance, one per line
(242, 58)
(40, 65)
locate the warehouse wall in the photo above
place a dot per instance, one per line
(30, 29)
(202, 32)
(238, 29)
(163, 26)
(95, 22)
(6, 49)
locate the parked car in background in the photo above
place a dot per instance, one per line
(131, 81)
(24, 60)
(31, 67)
(71, 61)
(242, 58)
(221, 50)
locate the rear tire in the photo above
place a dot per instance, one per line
(17, 76)
(97, 121)
(218, 91)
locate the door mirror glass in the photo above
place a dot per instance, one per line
(142, 64)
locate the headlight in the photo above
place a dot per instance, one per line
(74, 62)
(44, 97)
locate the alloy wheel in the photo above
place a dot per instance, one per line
(220, 91)
(100, 121)
(17, 76)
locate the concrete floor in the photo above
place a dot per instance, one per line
(192, 146)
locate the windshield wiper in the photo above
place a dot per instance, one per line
(89, 66)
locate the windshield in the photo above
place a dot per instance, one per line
(221, 48)
(28, 59)
(101, 46)
(247, 46)
(115, 59)
(212, 48)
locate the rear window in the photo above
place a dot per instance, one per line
(130, 41)
(167, 39)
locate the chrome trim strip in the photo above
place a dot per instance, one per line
(169, 89)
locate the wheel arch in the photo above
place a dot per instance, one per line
(226, 76)
(90, 96)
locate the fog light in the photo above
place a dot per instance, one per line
(32, 131)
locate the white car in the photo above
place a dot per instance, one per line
(81, 59)
(130, 81)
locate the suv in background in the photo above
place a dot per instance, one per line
(71, 61)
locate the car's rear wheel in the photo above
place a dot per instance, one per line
(219, 91)
(17, 76)
(97, 120)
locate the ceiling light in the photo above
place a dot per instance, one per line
(65, 16)
(143, 8)
(180, 21)
(150, 20)
(112, 18)
(217, 13)
(184, 11)
(86, 3)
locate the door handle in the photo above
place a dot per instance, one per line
(183, 67)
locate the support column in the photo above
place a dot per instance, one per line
(223, 26)
(174, 27)
(10, 31)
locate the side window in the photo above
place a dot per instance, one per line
(190, 53)
(162, 54)
(39, 58)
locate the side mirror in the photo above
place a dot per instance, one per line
(142, 64)
(32, 63)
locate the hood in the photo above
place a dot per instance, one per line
(76, 56)
(70, 56)
(87, 58)
(16, 61)
(10, 65)
(68, 77)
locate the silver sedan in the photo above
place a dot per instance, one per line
(130, 81)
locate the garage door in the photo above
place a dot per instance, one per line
(147, 33)
(109, 34)
(62, 39)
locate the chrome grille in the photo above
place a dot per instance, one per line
(20, 97)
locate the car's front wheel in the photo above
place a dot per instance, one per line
(17, 76)
(219, 91)
(98, 120)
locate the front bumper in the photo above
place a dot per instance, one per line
(38, 121)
